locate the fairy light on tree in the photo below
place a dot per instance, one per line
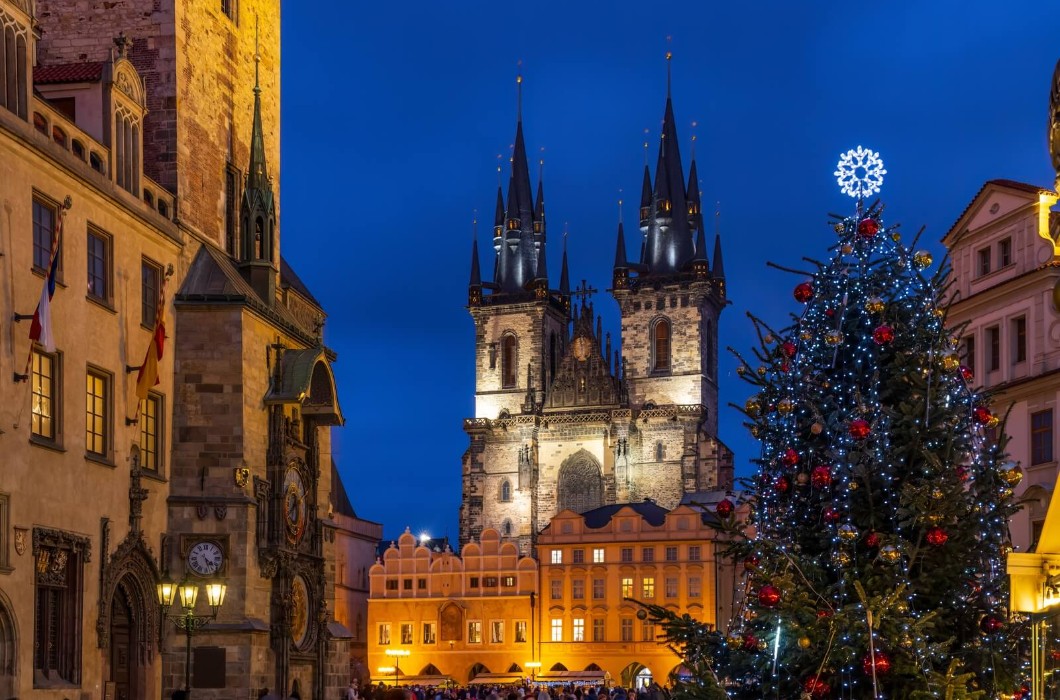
(879, 505)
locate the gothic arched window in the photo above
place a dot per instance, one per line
(506, 491)
(509, 361)
(660, 346)
(580, 486)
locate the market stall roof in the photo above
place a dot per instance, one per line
(496, 678)
(388, 679)
(572, 677)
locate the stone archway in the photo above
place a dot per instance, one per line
(125, 671)
(580, 484)
(127, 623)
(8, 650)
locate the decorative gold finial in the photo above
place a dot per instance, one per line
(669, 57)
(619, 205)
(694, 125)
(519, 89)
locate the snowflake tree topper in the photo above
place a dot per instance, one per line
(860, 172)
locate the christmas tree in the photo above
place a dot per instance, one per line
(874, 557)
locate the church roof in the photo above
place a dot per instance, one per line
(340, 499)
(288, 278)
(650, 511)
(83, 72)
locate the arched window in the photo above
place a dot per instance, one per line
(509, 361)
(660, 346)
(506, 491)
(708, 344)
(660, 451)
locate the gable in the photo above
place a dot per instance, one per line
(994, 201)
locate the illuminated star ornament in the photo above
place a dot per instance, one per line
(860, 172)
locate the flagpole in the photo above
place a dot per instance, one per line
(153, 344)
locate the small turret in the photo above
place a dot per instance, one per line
(620, 274)
(474, 285)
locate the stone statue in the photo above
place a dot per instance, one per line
(1054, 121)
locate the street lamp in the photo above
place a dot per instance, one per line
(186, 619)
(533, 666)
(396, 654)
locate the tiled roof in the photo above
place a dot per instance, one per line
(290, 279)
(85, 72)
(340, 499)
(651, 512)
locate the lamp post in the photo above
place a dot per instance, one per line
(186, 619)
(533, 666)
(396, 654)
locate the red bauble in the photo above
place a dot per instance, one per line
(966, 373)
(822, 614)
(750, 642)
(867, 228)
(724, 508)
(982, 415)
(829, 313)
(831, 515)
(784, 366)
(990, 624)
(751, 562)
(789, 458)
(883, 335)
(821, 477)
(859, 429)
(936, 537)
(803, 292)
(1054, 655)
(769, 596)
(788, 348)
(963, 473)
(816, 686)
(883, 664)
(872, 540)
(782, 484)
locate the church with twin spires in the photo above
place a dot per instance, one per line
(564, 418)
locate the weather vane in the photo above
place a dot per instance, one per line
(860, 172)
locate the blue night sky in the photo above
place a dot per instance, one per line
(394, 114)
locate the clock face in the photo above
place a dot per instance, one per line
(205, 558)
(581, 347)
(299, 611)
(294, 506)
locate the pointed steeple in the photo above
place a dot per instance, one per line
(539, 209)
(517, 260)
(645, 198)
(474, 285)
(564, 276)
(719, 270)
(695, 209)
(542, 267)
(620, 250)
(498, 220)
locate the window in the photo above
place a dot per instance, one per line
(693, 587)
(13, 71)
(43, 234)
(598, 589)
(660, 344)
(406, 633)
(647, 631)
(579, 630)
(1004, 252)
(557, 630)
(598, 629)
(44, 422)
(693, 552)
(489, 581)
(508, 582)
(671, 586)
(556, 589)
(577, 589)
(496, 631)
(520, 631)
(97, 413)
(671, 554)
(151, 433)
(647, 586)
(625, 629)
(151, 281)
(969, 352)
(626, 554)
(627, 587)
(984, 261)
(474, 632)
(506, 528)
(598, 555)
(406, 584)
(231, 208)
(506, 491)
(509, 361)
(126, 149)
(1042, 436)
(98, 258)
(578, 556)
(647, 554)
(474, 582)
(1019, 340)
(993, 339)
(228, 7)
(557, 556)
(421, 584)
(57, 621)
(430, 633)
(391, 584)
(384, 633)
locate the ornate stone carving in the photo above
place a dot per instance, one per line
(202, 510)
(133, 571)
(220, 511)
(21, 534)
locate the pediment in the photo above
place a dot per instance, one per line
(996, 200)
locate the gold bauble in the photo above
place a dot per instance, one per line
(740, 370)
(937, 493)
(890, 554)
(847, 532)
(816, 428)
(761, 371)
(1013, 476)
(847, 249)
(905, 641)
(754, 431)
(922, 259)
(802, 478)
(804, 642)
(1006, 549)
(933, 518)
(769, 339)
(940, 313)
(833, 338)
(762, 645)
(752, 406)
(806, 335)
(839, 227)
(853, 486)
(734, 641)
(896, 236)
(785, 406)
(874, 305)
(951, 362)
(841, 558)
(1006, 493)
(902, 607)
(994, 421)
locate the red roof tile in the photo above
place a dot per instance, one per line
(89, 72)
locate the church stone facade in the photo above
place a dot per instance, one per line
(564, 417)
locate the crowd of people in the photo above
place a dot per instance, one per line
(506, 692)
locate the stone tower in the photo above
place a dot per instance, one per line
(587, 426)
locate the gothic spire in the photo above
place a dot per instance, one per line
(620, 250)
(645, 197)
(476, 275)
(564, 276)
(695, 210)
(257, 170)
(719, 270)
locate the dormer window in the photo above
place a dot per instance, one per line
(14, 71)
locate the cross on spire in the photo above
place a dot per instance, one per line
(584, 291)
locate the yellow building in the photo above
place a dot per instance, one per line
(457, 617)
